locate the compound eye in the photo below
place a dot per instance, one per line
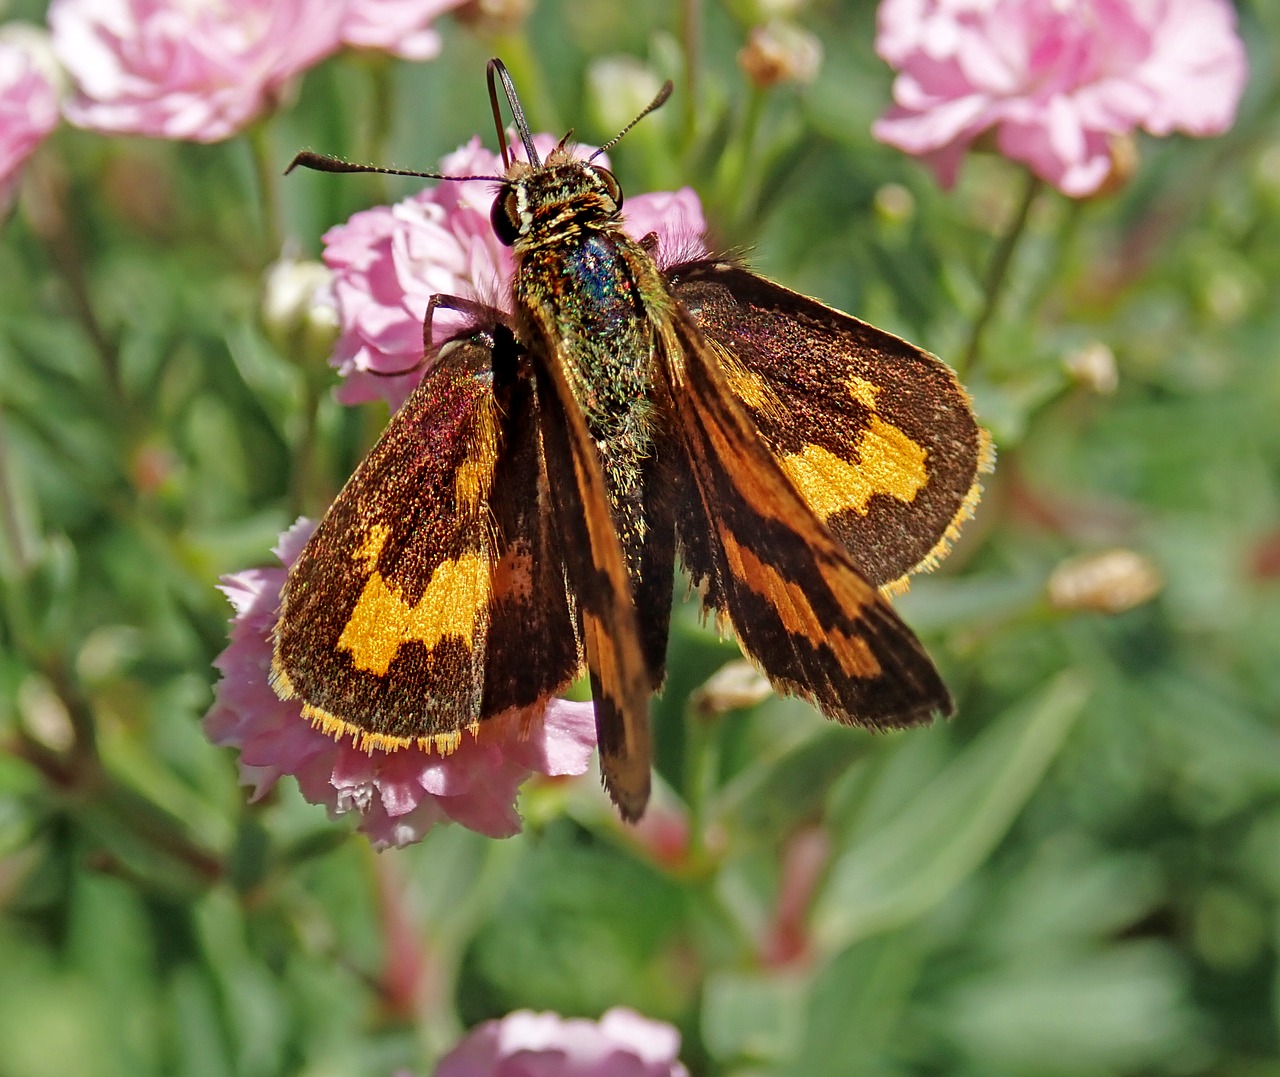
(610, 184)
(505, 216)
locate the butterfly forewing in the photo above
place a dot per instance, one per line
(876, 434)
(429, 597)
(596, 569)
(797, 602)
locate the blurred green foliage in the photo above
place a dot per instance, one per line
(1079, 875)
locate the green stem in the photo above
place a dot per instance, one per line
(382, 84)
(304, 482)
(736, 188)
(48, 209)
(998, 270)
(1063, 240)
(691, 38)
(78, 707)
(16, 554)
(160, 830)
(701, 770)
(267, 171)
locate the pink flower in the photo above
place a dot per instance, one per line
(399, 795)
(28, 111)
(526, 1044)
(389, 261)
(197, 71)
(204, 71)
(1056, 80)
(396, 26)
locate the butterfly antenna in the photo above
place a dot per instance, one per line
(321, 162)
(517, 114)
(652, 106)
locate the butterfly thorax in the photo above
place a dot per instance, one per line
(583, 289)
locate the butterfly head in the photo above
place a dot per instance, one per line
(542, 203)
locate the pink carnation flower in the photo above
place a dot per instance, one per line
(194, 71)
(398, 795)
(28, 112)
(389, 261)
(524, 1044)
(1056, 80)
(400, 27)
(204, 71)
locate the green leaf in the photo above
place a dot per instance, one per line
(1120, 1011)
(752, 1016)
(906, 867)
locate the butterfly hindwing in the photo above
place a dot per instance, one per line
(397, 617)
(533, 648)
(876, 434)
(797, 602)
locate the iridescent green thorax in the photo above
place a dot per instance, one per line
(587, 291)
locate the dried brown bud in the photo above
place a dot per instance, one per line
(1124, 163)
(780, 52)
(1109, 582)
(493, 16)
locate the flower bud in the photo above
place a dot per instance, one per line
(894, 203)
(297, 309)
(622, 87)
(44, 716)
(1109, 582)
(734, 687)
(1093, 367)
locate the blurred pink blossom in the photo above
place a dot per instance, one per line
(1056, 80)
(388, 261)
(204, 71)
(28, 111)
(194, 71)
(524, 1044)
(401, 27)
(399, 795)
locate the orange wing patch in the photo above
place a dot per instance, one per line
(888, 463)
(452, 604)
(795, 610)
(884, 459)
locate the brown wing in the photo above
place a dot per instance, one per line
(799, 605)
(876, 435)
(431, 597)
(595, 567)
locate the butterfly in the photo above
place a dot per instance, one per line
(522, 516)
